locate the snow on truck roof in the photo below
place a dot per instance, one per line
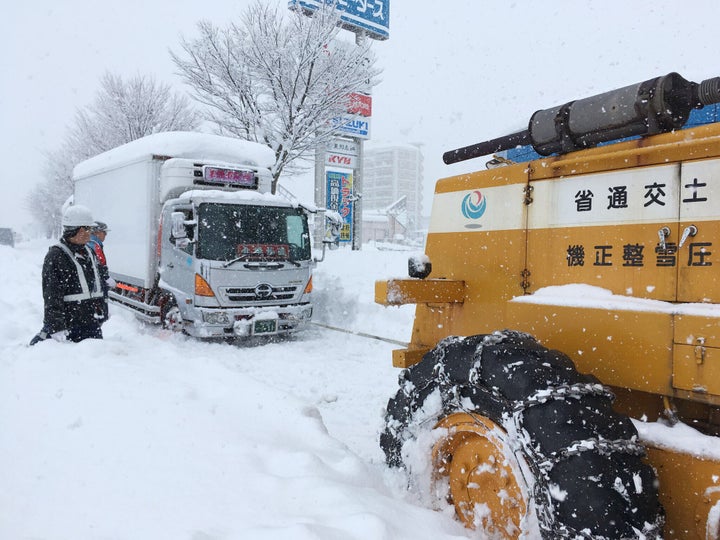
(234, 196)
(181, 144)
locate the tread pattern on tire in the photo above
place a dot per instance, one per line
(570, 436)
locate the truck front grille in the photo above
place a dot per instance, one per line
(249, 294)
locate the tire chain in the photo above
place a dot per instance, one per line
(544, 463)
(562, 391)
(601, 446)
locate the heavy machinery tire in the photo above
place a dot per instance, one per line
(523, 443)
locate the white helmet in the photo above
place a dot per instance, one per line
(77, 216)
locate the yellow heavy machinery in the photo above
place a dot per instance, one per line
(563, 374)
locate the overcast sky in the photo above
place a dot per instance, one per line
(455, 71)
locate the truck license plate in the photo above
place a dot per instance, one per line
(265, 326)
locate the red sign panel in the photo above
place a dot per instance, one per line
(235, 177)
(263, 251)
(360, 104)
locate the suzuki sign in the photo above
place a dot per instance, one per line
(352, 126)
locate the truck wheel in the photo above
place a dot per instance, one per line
(522, 443)
(170, 315)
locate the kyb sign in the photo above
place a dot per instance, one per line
(340, 160)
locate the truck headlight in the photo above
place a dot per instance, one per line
(216, 317)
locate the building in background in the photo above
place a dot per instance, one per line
(392, 193)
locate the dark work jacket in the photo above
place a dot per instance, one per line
(67, 306)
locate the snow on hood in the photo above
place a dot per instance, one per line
(181, 144)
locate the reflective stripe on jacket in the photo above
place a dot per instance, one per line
(86, 293)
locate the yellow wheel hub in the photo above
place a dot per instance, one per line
(485, 482)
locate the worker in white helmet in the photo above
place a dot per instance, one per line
(71, 282)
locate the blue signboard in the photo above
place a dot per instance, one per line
(371, 16)
(339, 197)
(352, 126)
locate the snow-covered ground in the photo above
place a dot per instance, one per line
(148, 435)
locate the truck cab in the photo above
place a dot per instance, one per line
(234, 268)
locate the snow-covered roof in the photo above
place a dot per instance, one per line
(181, 144)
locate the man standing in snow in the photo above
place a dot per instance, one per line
(72, 286)
(97, 238)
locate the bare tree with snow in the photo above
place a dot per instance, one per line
(278, 78)
(122, 111)
(127, 110)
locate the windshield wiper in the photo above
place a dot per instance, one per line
(233, 261)
(260, 263)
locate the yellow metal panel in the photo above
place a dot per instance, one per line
(404, 358)
(628, 349)
(514, 174)
(434, 322)
(396, 292)
(554, 259)
(699, 259)
(691, 328)
(490, 264)
(689, 487)
(696, 368)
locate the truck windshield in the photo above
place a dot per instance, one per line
(253, 233)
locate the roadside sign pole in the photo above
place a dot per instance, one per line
(357, 198)
(360, 37)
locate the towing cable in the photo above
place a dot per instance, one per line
(360, 334)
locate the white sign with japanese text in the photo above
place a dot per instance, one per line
(663, 194)
(640, 195)
(345, 147)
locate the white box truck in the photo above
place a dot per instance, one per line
(197, 241)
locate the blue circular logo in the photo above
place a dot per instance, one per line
(473, 205)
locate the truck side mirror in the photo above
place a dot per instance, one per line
(178, 234)
(333, 224)
(331, 239)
